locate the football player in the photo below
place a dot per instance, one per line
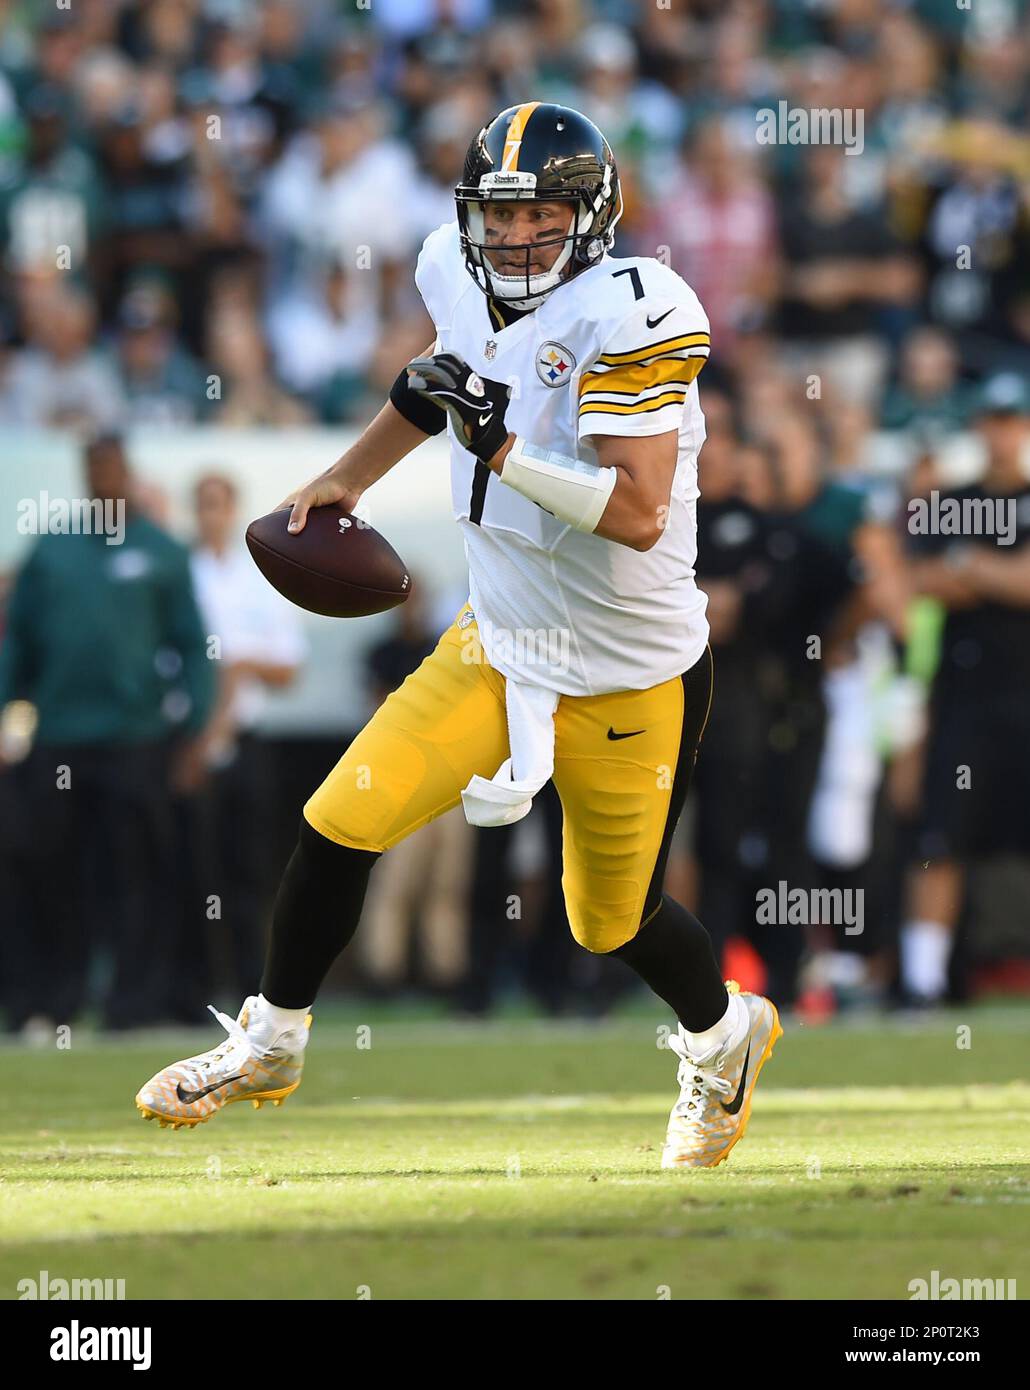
(566, 379)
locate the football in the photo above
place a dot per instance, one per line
(337, 566)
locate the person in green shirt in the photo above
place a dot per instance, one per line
(104, 639)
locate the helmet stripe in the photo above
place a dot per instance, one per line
(513, 138)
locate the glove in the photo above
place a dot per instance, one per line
(475, 404)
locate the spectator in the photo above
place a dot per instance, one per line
(336, 190)
(50, 203)
(59, 379)
(254, 100)
(640, 119)
(143, 206)
(247, 390)
(977, 235)
(718, 223)
(321, 334)
(843, 264)
(162, 383)
(256, 644)
(976, 794)
(442, 144)
(928, 401)
(96, 624)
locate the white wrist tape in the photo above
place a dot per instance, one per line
(573, 490)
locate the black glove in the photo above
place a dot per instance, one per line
(475, 404)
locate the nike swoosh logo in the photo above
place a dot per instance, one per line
(485, 419)
(653, 323)
(632, 733)
(188, 1097)
(738, 1099)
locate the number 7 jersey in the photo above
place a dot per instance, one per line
(615, 351)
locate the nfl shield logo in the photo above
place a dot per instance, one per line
(555, 364)
(490, 351)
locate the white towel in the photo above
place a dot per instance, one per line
(507, 796)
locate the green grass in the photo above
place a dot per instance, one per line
(520, 1160)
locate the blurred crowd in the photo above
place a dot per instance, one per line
(209, 210)
(209, 213)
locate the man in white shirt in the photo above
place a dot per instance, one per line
(255, 641)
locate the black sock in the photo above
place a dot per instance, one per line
(316, 914)
(673, 954)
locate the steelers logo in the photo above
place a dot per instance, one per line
(555, 364)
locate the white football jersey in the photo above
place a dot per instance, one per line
(614, 351)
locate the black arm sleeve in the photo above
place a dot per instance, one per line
(423, 414)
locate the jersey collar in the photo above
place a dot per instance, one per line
(503, 315)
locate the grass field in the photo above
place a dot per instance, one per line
(520, 1160)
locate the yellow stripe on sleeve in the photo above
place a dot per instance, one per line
(643, 407)
(631, 380)
(649, 350)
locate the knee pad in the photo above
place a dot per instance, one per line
(600, 931)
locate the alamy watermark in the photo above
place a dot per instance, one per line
(47, 1288)
(72, 516)
(548, 647)
(965, 516)
(947, 1289)
(79, 1343)
(784, 906)
(820, 125)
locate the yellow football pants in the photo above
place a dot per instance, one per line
(620, 796)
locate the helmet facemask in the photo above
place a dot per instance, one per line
(581, 245)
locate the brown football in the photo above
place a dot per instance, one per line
(338, 565)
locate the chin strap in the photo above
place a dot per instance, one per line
(524, 305)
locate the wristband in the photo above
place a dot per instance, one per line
(416, 409)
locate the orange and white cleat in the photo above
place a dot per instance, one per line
(257, 1062)
(714, 1107)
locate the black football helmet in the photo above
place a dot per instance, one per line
(538, 152)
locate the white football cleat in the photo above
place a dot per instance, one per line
(715, 1090)
(258, 1061)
